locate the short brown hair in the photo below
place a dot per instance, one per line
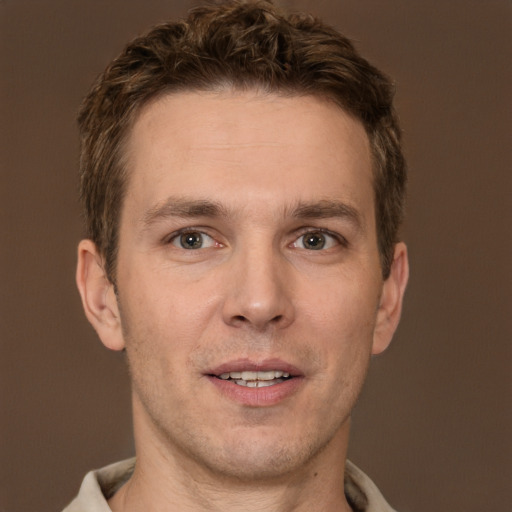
(240, 45)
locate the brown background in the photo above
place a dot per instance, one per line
(433, 425)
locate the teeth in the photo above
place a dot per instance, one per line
(252, 379)
(254, 376)
(266, 383)
(257, 383)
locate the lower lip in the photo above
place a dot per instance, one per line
(257, 397)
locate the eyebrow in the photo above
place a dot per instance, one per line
(178, 206)
(182, 207)
(325, 209)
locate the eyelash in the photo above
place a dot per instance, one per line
(342, 241)
(177, 234)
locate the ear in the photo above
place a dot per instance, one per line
(98, 296)
(390, 304)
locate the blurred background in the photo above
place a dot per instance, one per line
(433, 425)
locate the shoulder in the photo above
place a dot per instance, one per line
(362, 494)
(99, 485)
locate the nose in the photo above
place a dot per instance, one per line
(260, 291)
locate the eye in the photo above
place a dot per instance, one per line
(191, 240)
(316, 241)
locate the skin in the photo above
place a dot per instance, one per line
(273, 172)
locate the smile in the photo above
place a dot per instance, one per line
(256, 383)
(256, 379)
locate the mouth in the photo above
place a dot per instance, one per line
(256, 384)
(255, 379)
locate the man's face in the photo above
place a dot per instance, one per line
(247, 244)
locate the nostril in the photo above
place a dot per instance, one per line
(241, 319)
(241, 311)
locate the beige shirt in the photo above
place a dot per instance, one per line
(100, 485)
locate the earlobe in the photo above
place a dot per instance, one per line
(390, 305)
(98, 296)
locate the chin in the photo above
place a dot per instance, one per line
(257, 464)
(264, 456)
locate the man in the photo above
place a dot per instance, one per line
(243, 186)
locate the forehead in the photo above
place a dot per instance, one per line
(245, 147)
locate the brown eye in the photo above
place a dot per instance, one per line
(313, 241)
(316, 241)
(191, 240)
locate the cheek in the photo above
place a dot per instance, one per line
(156, 349)
(347, 309)
(342, 324)
(169, 306)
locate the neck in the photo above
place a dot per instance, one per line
(166, 479)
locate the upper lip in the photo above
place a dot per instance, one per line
(252, 365)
